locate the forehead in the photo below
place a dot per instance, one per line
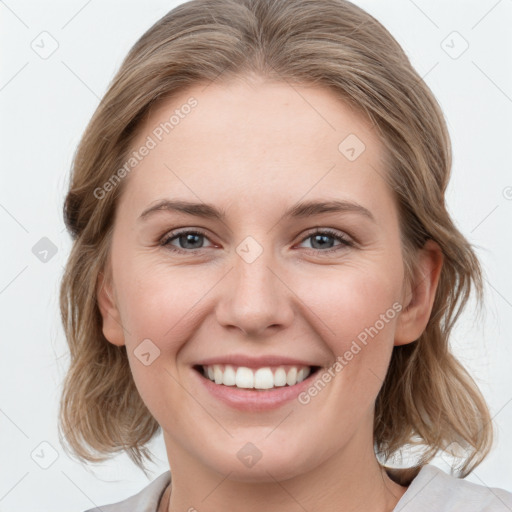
(257, 142)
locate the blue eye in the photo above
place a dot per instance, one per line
(184, 238)
(320, 237)
(191, 240)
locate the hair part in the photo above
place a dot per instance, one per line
(428, 397)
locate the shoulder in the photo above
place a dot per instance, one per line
(145, 500)
(433, 489)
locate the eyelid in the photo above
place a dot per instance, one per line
(330, 231)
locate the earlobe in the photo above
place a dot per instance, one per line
(419, 299)
(112, 327)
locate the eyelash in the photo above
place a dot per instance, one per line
(344, 242)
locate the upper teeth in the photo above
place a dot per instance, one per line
(262, 378)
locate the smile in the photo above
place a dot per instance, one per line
(267, 377)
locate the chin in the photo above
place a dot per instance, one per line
(275, 465)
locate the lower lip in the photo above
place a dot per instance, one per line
(253, 400)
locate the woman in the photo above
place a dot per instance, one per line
(301, 341)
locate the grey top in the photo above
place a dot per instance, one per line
(431, 490)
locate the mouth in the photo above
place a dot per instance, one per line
(265, 378)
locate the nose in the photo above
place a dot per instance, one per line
(255, 298)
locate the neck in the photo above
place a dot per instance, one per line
(349, 480)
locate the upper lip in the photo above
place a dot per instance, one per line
(254, 362)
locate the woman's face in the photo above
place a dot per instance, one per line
(257, 288)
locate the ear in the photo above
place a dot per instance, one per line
(419, 295)
(112, 327)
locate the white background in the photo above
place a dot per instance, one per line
(45, 105)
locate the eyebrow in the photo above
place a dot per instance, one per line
(302, 209)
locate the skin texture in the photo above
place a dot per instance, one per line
(255, 148)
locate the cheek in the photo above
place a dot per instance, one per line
(159, 301)
(356, 311)
(350, 300)
(158, 308)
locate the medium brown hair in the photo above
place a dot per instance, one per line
(427, 397)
